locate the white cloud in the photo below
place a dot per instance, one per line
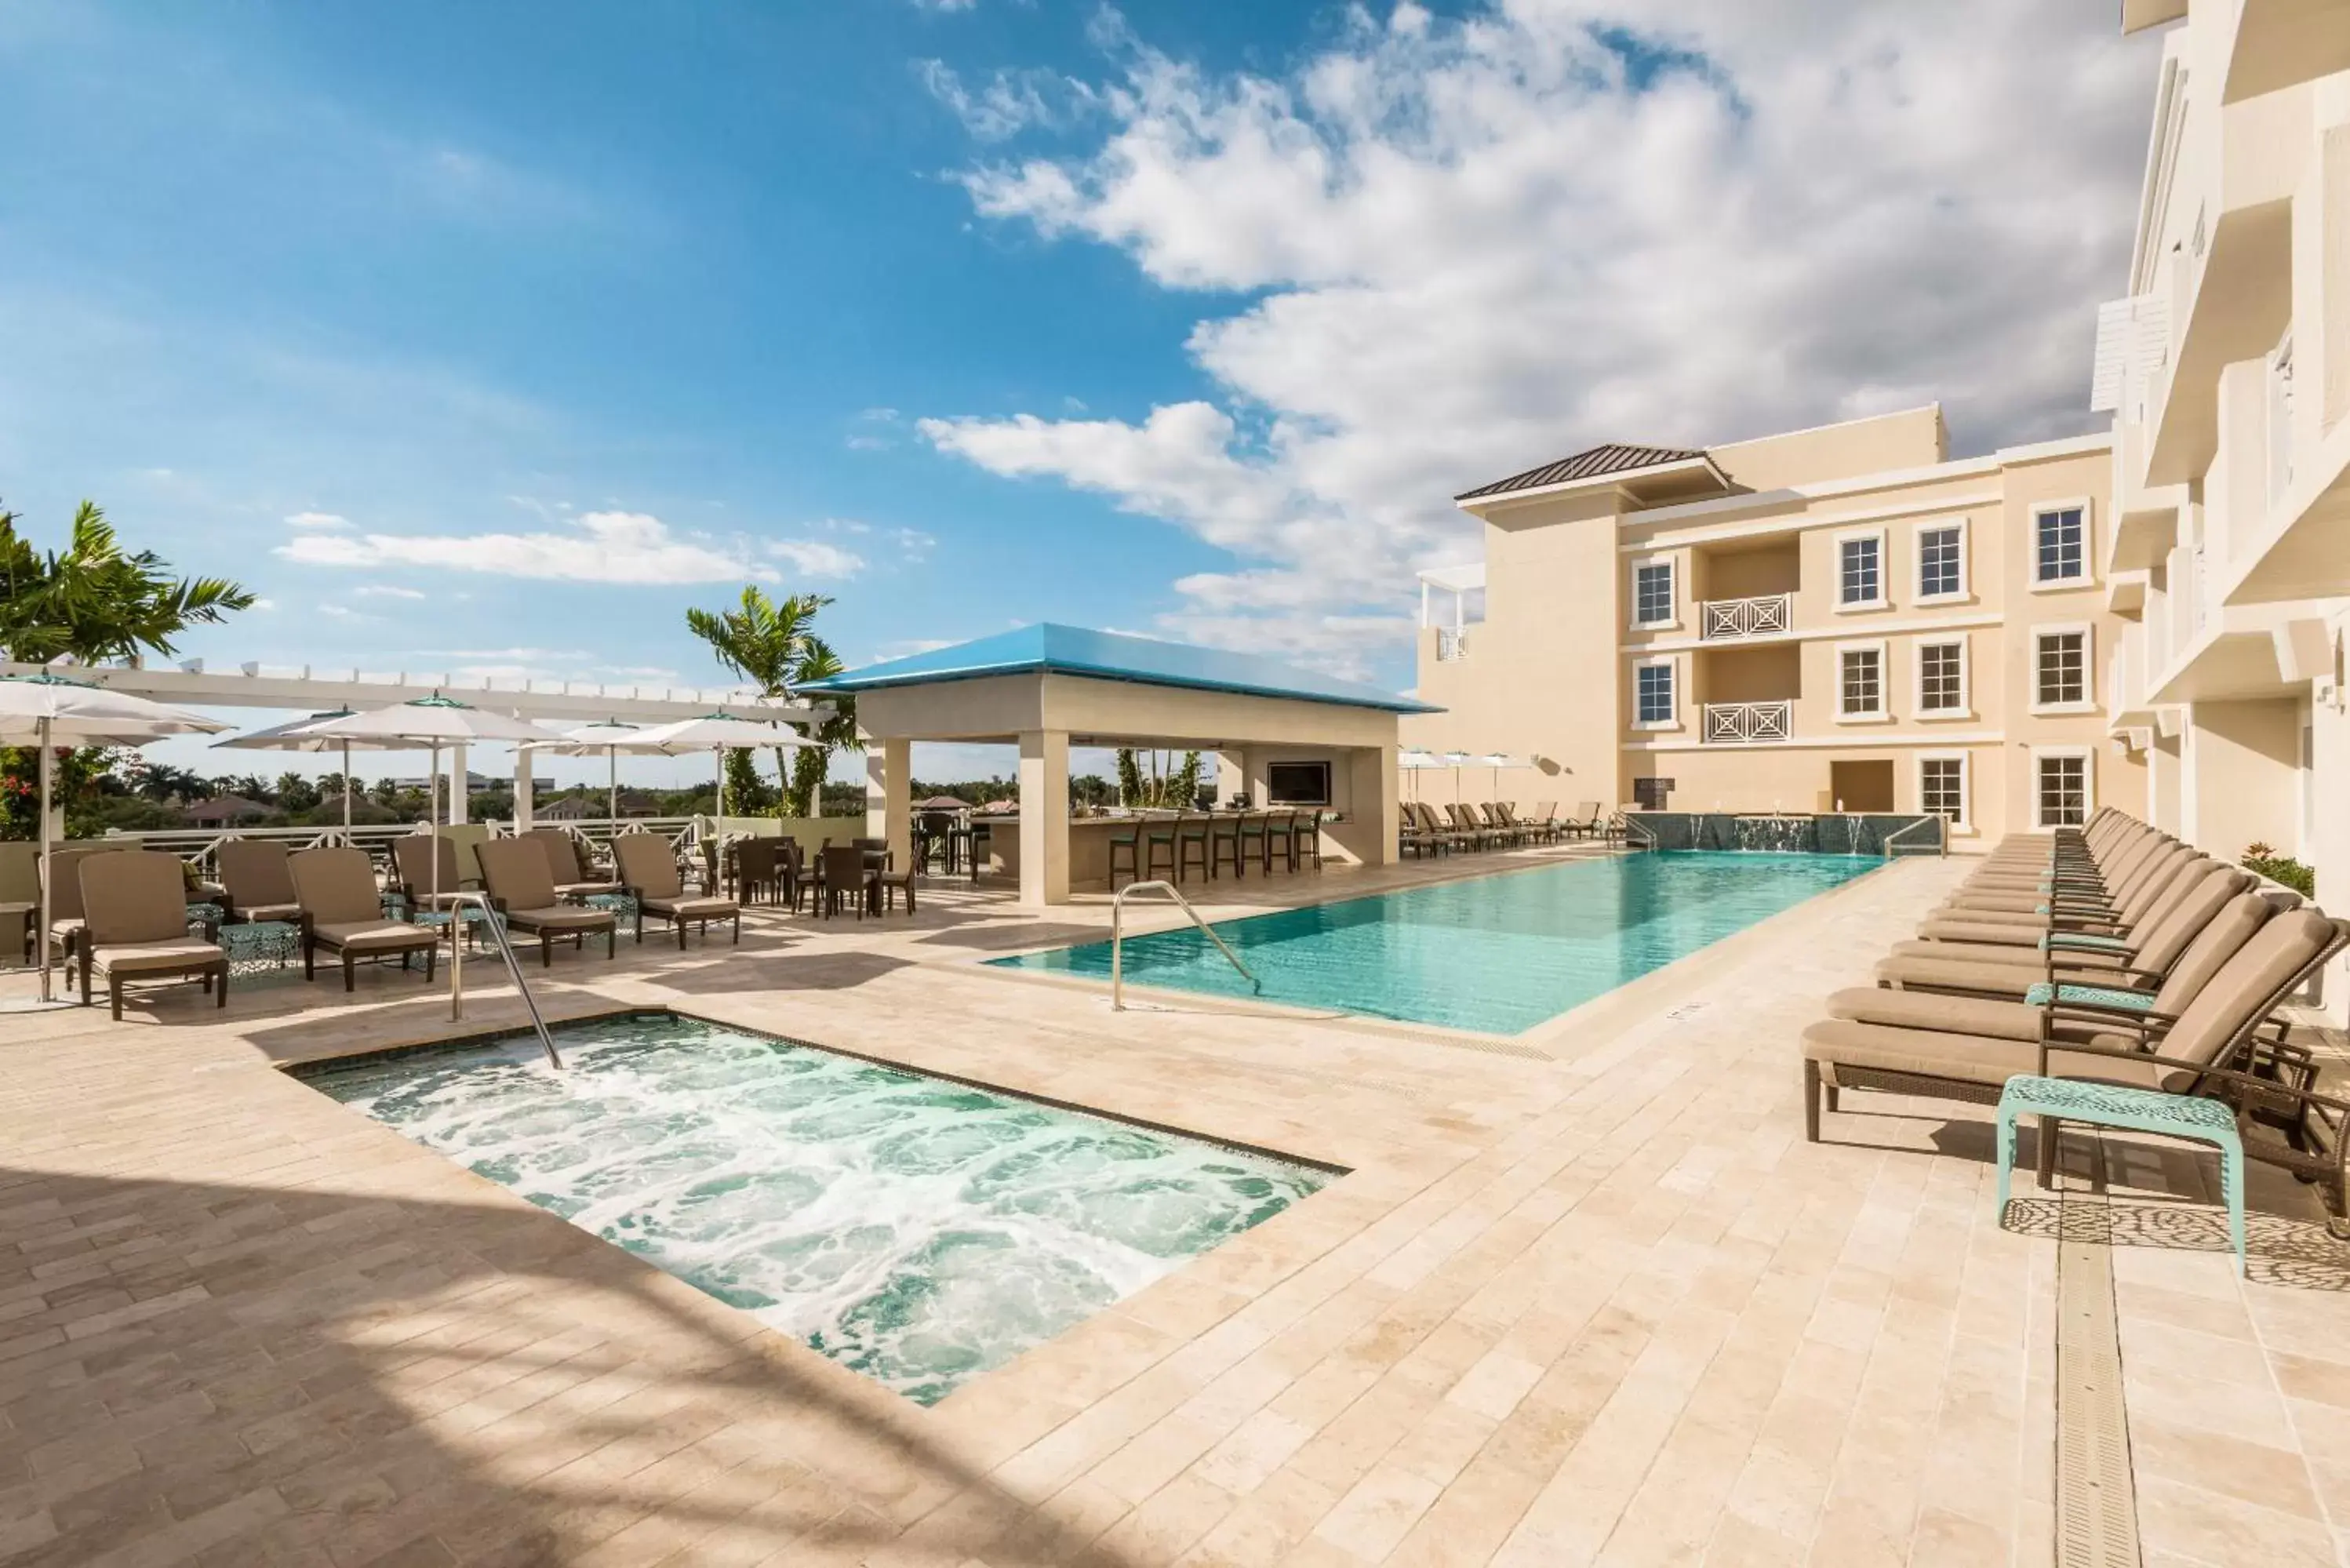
(945, 6)
(318, 520)
(1440, 251)
(600, 548)
(1008, 103)
(384, 591)
(907, 647)
(815, 558)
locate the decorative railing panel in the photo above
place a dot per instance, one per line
(1740, 723)
(1746, 617)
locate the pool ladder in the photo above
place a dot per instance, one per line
(497, 929)
(1117, 939)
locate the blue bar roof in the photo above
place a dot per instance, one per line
(1115, 656)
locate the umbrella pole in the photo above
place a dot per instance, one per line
(456, 939)
(47, 880)
(346, 792)
(613, 759)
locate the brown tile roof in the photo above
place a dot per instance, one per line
(1613, 457)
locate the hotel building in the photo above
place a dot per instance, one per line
(2226, 368)
(1843, 618)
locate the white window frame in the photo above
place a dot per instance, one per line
(1883, 712)
(1965, 592)
(1966, 822)
(1884, 599)
(1672, 621)
(2088, 698)
(2088, 578)
(2088, 759)
(1671, 667)
(1966, 708)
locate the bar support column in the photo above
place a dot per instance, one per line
(1045, 816)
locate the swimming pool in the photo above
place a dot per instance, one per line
(915, 1230)
(1496, 954)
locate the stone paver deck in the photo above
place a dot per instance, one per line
(1587, 1299)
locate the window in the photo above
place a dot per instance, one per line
(2060, 789)
(1860, 577)
(1861, 680)
(2060, 668)
(1942, 788)
(1941, 561)
(1941, 678)
(1653, 692)
(2058, 554)
(1652, 594)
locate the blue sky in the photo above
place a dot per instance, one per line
(1178, 318)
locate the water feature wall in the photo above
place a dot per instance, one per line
(1840, 833)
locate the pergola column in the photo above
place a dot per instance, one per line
(460, 774)
(888, 797)
(1371, 788)
(522, 813)
(1045, 816)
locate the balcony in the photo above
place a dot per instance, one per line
(2280, 44)
(1721, 620)
(1744, 723)
(1452, 644)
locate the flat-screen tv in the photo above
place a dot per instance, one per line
(1298, 784)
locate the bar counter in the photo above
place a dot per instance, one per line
(1089, 839)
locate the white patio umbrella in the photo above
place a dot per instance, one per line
(295, 735)
(44, 710)
(431, 723)
(1456, 761)
(1416, 761)
(609, 736)
(719, 732)
(1497, 761)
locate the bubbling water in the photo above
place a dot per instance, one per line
(918, 1231)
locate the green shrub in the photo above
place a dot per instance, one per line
(2262, 860)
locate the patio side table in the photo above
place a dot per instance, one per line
(2055, 1100)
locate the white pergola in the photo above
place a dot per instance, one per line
(305, 688)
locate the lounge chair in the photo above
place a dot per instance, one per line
(845, 874)
(412, 856)
(1990, 969)
(649, 874)
(572, 877)
(66, 920)
(1965, 1049)
(255, 882)
(340, 910)
(516, 874)
(135, 908)
(2080, 925)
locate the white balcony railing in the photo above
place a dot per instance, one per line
(1738, 723)
(1746, 617)
(1451, 644)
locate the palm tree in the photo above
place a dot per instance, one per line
(773, 644)
(92, 601)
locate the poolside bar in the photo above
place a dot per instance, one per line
(1048, 688)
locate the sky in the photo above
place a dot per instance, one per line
(487, 339)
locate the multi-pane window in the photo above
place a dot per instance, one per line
(1860, 567)
(2061, 668)
(2058, 547)
(1652, 594)
(1940, 553)
(1942, 678)
(1942, 787)
(1863, 679)
(2061, 787)
(1653, 693)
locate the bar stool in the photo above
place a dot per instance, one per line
(1131, 842)
(1156, 834)
(1223, 836)
(1281, 836)
(1305, 839)
(1251, 837)
(1190, 834)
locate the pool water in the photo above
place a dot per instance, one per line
(915, 1230)
(1495, 954)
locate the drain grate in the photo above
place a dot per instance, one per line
(2096, 1504)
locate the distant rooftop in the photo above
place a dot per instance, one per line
(1115, 656)
(1597, 462)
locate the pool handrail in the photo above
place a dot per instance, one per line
(497, 929)
(1118, 938)
(1942, 838)
(1633, 824)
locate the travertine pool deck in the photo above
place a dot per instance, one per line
(1585, 1297)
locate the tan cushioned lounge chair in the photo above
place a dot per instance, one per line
(135, 906)
(342, 914)
(1975, 967)
(519, 878)
(571, 879)
(649, 874)
(254, 877)
(412, 858)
